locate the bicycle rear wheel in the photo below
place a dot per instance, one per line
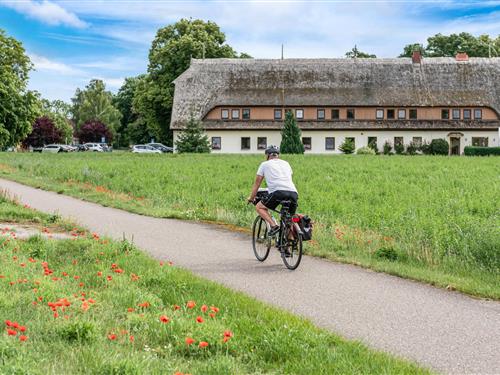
(294, 248)
(260, 241)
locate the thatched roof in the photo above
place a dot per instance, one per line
(335, 82)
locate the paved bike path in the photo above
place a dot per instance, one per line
(447, 331)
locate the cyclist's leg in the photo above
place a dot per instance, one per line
(264, 213)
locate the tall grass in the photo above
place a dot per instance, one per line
(430, 218)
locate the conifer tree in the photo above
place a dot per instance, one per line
(193, 139)
(291, 142)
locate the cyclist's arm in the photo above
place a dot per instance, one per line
(255, 188)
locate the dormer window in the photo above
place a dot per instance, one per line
(245, 113)
(380, 114)
(478, 114)
(299, 114)
(224, 114)
(278, 114)
(321, 114)
(235, 114)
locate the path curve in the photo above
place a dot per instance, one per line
(447, 331)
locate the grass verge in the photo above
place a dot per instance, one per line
(93, 306)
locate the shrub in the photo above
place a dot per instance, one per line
(412, 148)
(291, 143)
(439, 147)
(387, 253)
(399, 148)
(193, 139)
(44, 132)
(373, 146)
(387, 148)
(481, 151)
(365, 151)
(425, 148)
(347, 147)
(94, 131)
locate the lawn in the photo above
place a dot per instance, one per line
(429, 218)
(88, 305)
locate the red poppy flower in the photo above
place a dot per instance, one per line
(176, 307)
(15, 325)
(11, 332)
(99, 273)
(203, 344)
(214, 309)
(113, 266)
(131, 338)
(23, 338)
(161, 264)
(189, 341)
(191, 304)
(199, 319)
(212, 315)
(118, 270)
(204, 308)
(112, 336)
(130, 309)
(226, 339)
(164, 319)
(22, 328)
(109, 278)
(144, 304)
(228, 333)
(8, 323)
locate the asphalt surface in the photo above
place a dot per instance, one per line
(446, 331)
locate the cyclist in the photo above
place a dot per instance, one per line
(278, 176)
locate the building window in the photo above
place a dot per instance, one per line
(329, 143)
(224, 114)
(216, 143)
(413, 114)
(321, 114)
(335, 114)
(467, 114)
(380, 114)
(478, 114)
(235, 114)
(417, 141)
(245, 113)
(390, 114)
(306, 141)
(245, 143)
(299, 114)
(480, 141)
(372, 142)
(445, 114)
(455, 114)
(278, 114)
(351, 114)
(402, 114)
(398, 141)
(261, 143)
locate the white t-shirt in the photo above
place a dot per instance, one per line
(278, 175)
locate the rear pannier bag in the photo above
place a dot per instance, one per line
(306, 227)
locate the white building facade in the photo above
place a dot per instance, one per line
(242, 102)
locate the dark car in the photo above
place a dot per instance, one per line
(161, 147)
(82, 148)
(106, 147)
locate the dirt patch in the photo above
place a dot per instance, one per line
(24, 231)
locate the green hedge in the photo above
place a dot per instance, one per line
(481, 151)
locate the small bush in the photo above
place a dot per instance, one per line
(347, 147)
(373, 146)
(387, 148)
(399, 148)
(481, 151)
(425, 148)
(412, 148)
(77, 331)
(439, 147)
(387, 253)
(365, 151)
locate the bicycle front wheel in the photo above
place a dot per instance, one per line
(261, 242)
(293, 254)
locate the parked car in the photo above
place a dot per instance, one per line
(37, 149)
(68, 148)
(161, 147)
(96, 147)
(106, 147)
(53, 149)
(145, 149)
(82, 148)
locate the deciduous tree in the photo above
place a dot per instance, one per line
(18, 106)
(123, 101)
(43, 132)
(94, 131)
(355, 53)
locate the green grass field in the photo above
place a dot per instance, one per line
(434, 219)
(90, 306)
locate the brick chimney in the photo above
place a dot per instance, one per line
(462, 56)
(416, 57)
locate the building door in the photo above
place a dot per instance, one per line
(454, 146)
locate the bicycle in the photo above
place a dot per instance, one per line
(288, 240)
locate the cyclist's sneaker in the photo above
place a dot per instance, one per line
(287, 253)
(274, 230)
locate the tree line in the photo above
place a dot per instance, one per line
(142, 107)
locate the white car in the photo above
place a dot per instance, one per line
(96, 147)
(52, 149)
(145, 149)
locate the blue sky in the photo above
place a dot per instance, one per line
(73, 41)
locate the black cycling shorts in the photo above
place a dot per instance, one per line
(275, 198)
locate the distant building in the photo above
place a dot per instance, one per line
(242, 102)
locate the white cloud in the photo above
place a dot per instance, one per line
(42, 63)
(45, 11)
